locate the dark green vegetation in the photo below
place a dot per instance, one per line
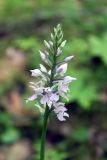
(23, 27)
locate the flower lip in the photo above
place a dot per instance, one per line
(60, 111)
(49, 97)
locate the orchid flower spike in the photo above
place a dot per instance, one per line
(53, 82)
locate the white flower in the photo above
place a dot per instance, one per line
(60, 111)
(37, 87)
(40, 72)
(36, 72)
(63, 85)
(38, 90)
(62, 68)
(49, 97)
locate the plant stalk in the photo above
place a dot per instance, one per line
(47, 112)
(43, 138)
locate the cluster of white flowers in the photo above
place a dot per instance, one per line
(52, 83)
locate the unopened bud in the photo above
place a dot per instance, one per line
(67, 59)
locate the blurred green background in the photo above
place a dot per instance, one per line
(24, 24)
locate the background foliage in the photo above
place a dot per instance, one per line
(23, 27)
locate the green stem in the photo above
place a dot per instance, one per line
(46, 115)
(43, 138)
